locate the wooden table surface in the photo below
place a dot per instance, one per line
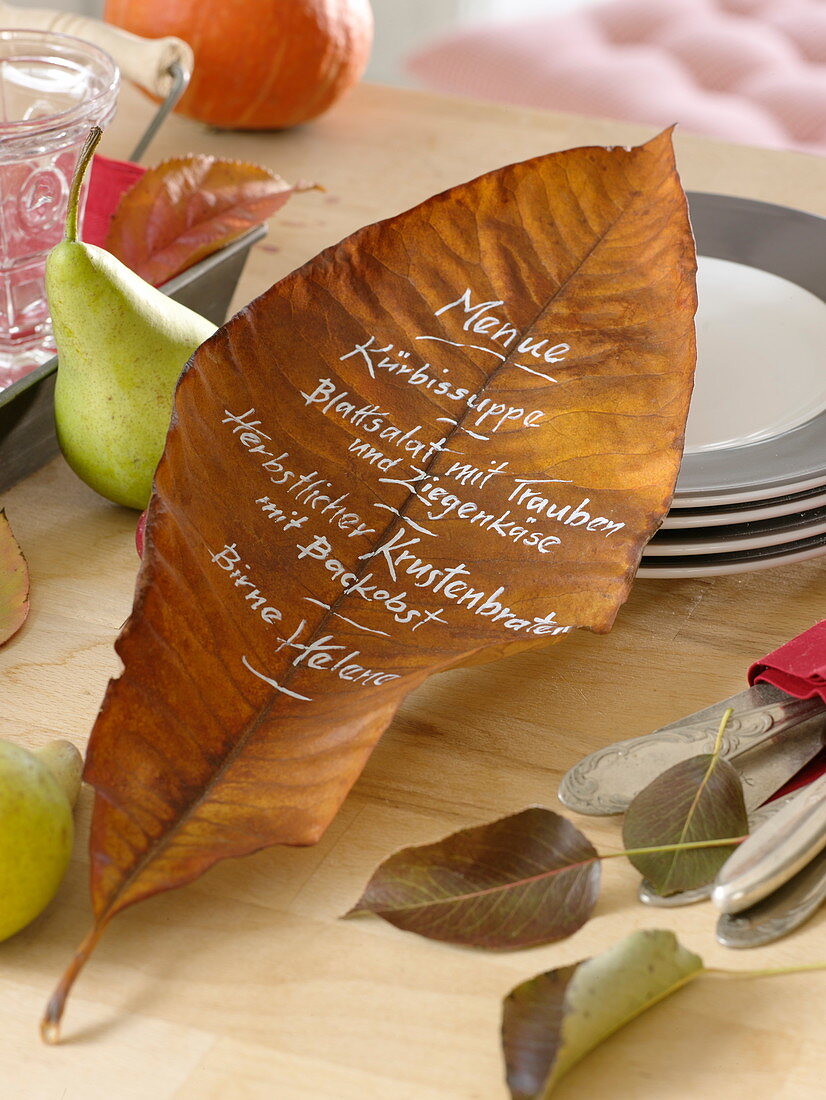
(248, 984)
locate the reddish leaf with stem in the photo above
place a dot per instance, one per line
(526, 879)
(185, 209)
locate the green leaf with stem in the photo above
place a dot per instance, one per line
(551, 1021)
(699, 799)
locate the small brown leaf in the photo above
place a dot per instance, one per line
(187, 208)
(699, 799)
(14, 583)
(523, 880)
(553, 1020)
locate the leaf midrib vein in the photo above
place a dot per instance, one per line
(499, 888)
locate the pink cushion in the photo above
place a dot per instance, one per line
(743, 70)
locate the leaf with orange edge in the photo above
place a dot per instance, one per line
(14, 582)
(446, 436)
(185, 209)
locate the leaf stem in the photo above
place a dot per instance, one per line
(83, 162)
(718, 741)
(768, 972)
(50, 1024)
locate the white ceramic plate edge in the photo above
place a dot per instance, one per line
(723, 568)
(788, 243)
(735, 545)
(721, 518)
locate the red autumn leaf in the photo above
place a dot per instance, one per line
(448, 436)
(526, 879)
(185, 209)
(14, 583)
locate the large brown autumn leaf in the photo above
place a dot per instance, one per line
(447, 437)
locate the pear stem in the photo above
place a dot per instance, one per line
(65, 763)
(95, 134)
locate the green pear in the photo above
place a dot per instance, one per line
(121, 348)
(37, 793)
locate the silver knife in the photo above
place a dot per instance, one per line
(780, 913)
(648, 894)
(607, 780)
(775, 852)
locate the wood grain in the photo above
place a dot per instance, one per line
(247, 985)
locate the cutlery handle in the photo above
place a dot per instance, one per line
(146, 61)
(780, 912)
(775, 719)
(605, 781)
(775, 852)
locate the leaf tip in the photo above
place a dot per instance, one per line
(306, 185)
(663, 140)
(357, 910)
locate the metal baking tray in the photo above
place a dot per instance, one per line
(27, 432)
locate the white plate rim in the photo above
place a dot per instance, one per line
(721, 565)
(777, 535)
(721, 517)
(791, 244)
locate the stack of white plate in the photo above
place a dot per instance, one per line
(752, 486)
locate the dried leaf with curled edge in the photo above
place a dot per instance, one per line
(14, 582)
(553, 1020)
(451, 433)
(185, 209)
(527, 879)
(698, 799)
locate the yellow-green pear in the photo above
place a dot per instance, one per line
(37, 793)
(121, 347)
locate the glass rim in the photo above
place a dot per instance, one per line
(78, 114)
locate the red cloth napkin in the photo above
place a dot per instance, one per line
(798, 668)
(108, 181)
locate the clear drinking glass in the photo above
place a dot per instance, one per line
(53, 88)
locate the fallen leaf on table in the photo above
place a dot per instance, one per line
(699, 799)
(553, 1020)
(526, 879)
(185, 209)
(14, 582)
(450, 434)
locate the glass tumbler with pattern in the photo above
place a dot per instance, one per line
(53, 88)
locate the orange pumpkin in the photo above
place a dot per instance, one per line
(259, 64)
